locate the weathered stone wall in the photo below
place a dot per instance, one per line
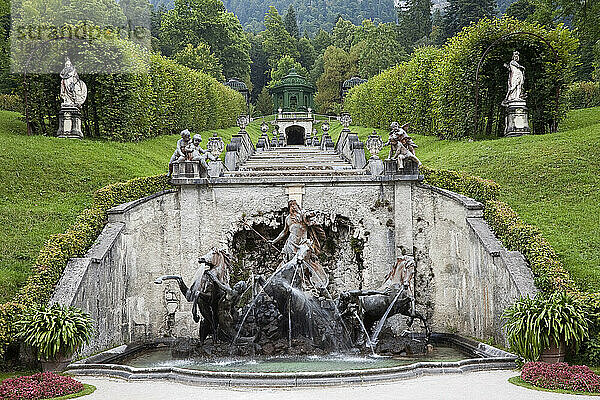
(465, 278)
(463, 281)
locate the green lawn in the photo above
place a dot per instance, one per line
(551, 180)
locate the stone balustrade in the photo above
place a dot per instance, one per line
(239, 150)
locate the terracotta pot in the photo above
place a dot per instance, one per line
(58, 364)
(554, 354)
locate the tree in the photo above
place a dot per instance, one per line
(343, 33)
(521, 9)
(290, 22)
(338, 65)
(461, 13)
(307, 53)
(201, 59)
(264, 102)
(417, 23)
(277, 42)
(206, 21)
(283, 67)
(378, 48)
(260, 66)
(321, 41)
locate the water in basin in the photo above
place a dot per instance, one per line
(334, 362)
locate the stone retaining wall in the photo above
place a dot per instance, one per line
(465, 278)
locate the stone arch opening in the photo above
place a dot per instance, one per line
(295, 135)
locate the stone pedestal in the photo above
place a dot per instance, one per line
(517, 122)
(375, 166)
(69, 123)
(390, 167)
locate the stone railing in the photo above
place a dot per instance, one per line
(238, 151)
(295, 115)
(351, 148)
(195, 170)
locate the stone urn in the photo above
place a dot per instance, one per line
(555, 353)
(57, 364)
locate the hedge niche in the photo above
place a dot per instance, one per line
(437, 92)
(155, 96)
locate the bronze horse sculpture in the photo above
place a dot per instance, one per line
(211, 296)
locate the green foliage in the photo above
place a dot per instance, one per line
(550, 276)
(283, 67)
(338, 65)
(277, 42)
(164, 99)
(54, 330)
(11, 102)
(521, 9)
(583, 95)
(454, 88)
(313, 15)
(380, 48)
(264, 103)
(462, 13)
(415, 23)
(290, 22)
(533, 325)
(207, 21)
(200, 59)
(343, 33)
(401, 93)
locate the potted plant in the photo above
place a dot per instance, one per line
(543, 327)
(56, 332)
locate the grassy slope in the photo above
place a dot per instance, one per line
(47, 181)
(552, 181)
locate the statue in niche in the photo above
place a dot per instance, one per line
(516, 80)
(300, 228)
(73, 91)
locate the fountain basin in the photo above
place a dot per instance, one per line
(150, 361)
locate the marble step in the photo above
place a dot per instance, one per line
(292, 172)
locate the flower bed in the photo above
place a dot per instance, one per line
(45, 385)
(577, 378)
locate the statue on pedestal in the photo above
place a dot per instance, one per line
(517, 122)
(73, 93)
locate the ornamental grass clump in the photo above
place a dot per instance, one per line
(562, 376)
(45, 385)
(55, 331)
(534, 325)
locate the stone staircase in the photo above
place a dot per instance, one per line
(295, 161)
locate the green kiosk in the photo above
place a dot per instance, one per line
(293, 93)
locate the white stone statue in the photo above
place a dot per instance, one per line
(516, 79)
(73, 90)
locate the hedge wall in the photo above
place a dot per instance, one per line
(549, 274)
(436, 89)
(53, 257)
(163, 97)
(401, 93)
(583, 95)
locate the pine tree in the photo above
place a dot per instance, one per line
(264, 103)
(277, 42)
(290, 22)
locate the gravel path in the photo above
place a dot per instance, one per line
(477, 385)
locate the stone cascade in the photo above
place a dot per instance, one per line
(296, 160)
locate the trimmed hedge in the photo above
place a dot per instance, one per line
(550, 276)
(57, 251)
(436, 89)
(11, 102)
(161, 98)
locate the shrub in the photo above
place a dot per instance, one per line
(577, 378)
(54, 330)
(45, 385)
(57, 251)
(583, 95)
(11, 102)
(533, 325)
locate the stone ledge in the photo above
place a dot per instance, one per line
(486, 236)
(69, 282)
(257, 180)
(121, 208)
(105, 241)
(470, 204)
